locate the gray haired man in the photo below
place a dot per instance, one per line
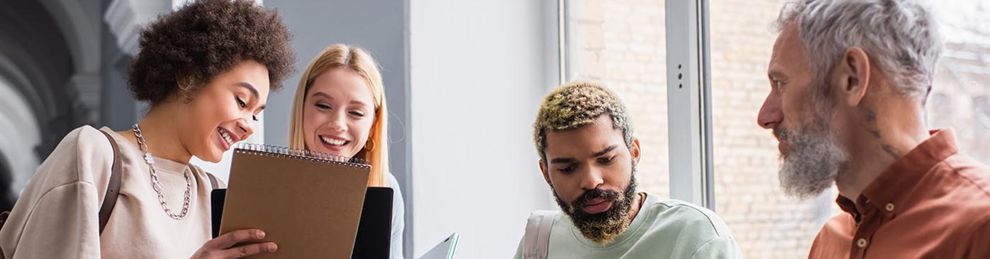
(849, 79)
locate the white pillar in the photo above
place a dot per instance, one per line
(125, 18)
(88, 86)
(19, 134)
(688, 102)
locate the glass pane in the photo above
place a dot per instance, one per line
(765, 222)
(621, 43)
(960, 98)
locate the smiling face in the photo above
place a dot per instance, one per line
(591, 171)
(223, 112)
(338, 113)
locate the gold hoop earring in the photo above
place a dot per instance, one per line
(370, 146)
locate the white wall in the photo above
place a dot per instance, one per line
(477, 72)
(378, 26)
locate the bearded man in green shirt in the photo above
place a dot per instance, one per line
(588, 156)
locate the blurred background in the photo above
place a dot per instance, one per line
(463, 81)
(622, 42)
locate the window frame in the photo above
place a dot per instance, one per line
(688, 89)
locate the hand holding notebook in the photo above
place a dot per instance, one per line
(308, 203)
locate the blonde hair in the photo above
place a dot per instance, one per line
(375, 150)
(576, 104)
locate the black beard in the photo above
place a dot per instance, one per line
(605, 226)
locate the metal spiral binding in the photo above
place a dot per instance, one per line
(280, 151)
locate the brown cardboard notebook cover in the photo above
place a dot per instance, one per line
(309, 205)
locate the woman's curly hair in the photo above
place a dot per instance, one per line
(184, 50)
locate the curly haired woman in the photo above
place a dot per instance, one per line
(206, 71)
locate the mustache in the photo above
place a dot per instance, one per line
(782, 134)
(591, 195)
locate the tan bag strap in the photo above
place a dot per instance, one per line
(113, 188)
(536, 241)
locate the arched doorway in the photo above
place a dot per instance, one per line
(41, 73)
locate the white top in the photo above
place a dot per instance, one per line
(57, 213)
(398, 218)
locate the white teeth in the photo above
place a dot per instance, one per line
(335, 142)
(226, 136)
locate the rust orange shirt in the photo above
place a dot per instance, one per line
(931, 203)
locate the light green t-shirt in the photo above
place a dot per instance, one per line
(662, 229)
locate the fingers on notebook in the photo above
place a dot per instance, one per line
(251, 249)
(228, 243)
(237, 236)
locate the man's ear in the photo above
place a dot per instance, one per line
(546, 174)
(634, 150)
(851, 76)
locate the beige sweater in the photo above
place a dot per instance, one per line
(57, 213)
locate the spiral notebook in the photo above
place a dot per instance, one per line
(306, 202)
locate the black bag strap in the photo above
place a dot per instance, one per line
(113, 189)
(213, 181)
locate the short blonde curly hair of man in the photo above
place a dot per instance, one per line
(576, 104)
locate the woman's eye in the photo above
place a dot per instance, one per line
(241, 103)
(322, 106)
(357, 114)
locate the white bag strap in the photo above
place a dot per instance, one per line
(536, 241)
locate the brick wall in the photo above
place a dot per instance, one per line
(960, 98)
(609, 43)
(621, 42)
(765, 222)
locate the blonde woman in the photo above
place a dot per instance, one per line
(339, 109)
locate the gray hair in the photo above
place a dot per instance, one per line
(900, 36)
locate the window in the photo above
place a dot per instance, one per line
(958, 99)
(621, 43)
(765, 222)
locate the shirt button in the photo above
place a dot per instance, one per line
(890, 207)
(861, 243)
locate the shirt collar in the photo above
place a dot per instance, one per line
(886, 192)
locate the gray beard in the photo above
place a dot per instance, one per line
(813, 159)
